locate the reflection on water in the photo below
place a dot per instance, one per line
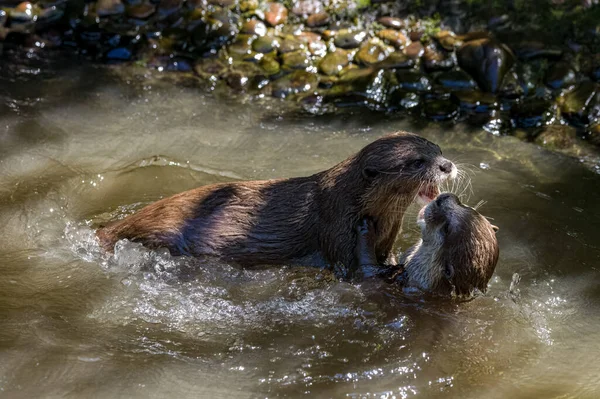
(84, 148)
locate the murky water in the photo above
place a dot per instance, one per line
(82, 147)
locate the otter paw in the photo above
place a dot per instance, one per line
(365, 226)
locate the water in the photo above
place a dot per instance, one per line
(80, 146)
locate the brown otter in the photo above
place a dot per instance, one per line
(457, 254)
(280, 221)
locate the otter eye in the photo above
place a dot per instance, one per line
(448, 272)
(418, 163)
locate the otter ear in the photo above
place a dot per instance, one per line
(495, 228)
(369, 173)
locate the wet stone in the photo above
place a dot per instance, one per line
(435, 60)
(318, 19)
(294, 83)
(210, 68)
(456, 80)
(215, 32)
(393, 37)
(532, 112)
(557, 137)
(512, 88)
(276, 14)
(265, 44)
(440, 109)
(370, 53)
(254, 27)
(141, 11)
(290, 44)
(593, 134)
(447, 40)
(414, 50)
(396, 60)
(581, 106)
(358, 87)
(166, 8)
(528, 50)
(269, 65)
(296, 60)
(487, 61)
(560, 75)
(412, 81)
(119, 54)
(390, 22)
(333, 63)
(105, 8)
(307, 7)
(402, 99)
(223, 3)
(347, 39)
(248, 5)
(476, 101)
(241, 46)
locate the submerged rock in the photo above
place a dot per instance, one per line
(333, 63)
(294, 83)
(532, 112)
(440, 109)
(487, 61)
(277, 14)
(370, 53)
(348, 39)
(557, 137)
(581, 105)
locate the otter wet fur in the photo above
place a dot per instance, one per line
(284, 220)
(456, 255)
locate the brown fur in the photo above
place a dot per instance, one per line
(278, 221)
(458, 252)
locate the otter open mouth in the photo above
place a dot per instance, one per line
(428, 193)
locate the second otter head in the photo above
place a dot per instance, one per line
(458, 252)
(400, 168)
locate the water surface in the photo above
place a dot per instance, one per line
(79, 147)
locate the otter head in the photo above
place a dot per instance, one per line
(397, 169)
(458, 252)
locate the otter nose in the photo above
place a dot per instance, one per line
(446, 197)
(446, 166)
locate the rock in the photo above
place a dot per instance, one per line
(528, 50)
(348, 39)
(276, 14)
(447, 40)
(218, 29)
(436, 60)
(487, 61)
(456, 80)
(242, 46)
(307, 7)
(593, 134)
(223, 3)
(440, 109)
(370, 53)
(560, 75)
(269, 65)
(254, 27)
(141, 11)
(296, 60)
(389, 22)
(414, 50)
(396, 60)
(476, 101)
(557, 137)
(119, 54)
(249, 5)
(265, 44)
(581, 105)
(356, 87)
(415, 35)
(318, 19)
(412, 81)
(242, 75)
(290, 44)
(210, 68)
(166, 8)
(105, 8)
(333, 63)
(393, 37)
(294, 83)
(532, 112)
(402, 99)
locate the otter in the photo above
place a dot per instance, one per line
(281, 221)
(457, 253)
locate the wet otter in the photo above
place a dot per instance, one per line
(457, 254)
(280, 221)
